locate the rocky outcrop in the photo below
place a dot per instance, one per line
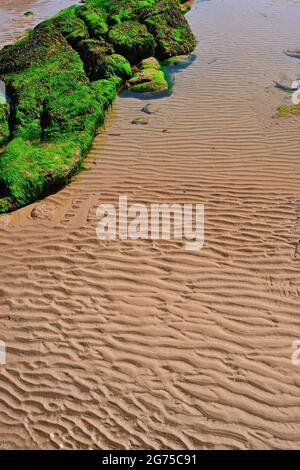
(63, 75)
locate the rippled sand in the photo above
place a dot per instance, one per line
(142, 344)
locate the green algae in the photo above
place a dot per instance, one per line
(95, 20)
(4, 124)
(64, 74)
(132, 40)
(93, 53)
(56, 115)
(117, 66)
(151, 81)
(70, 25)
(149, 78)
(288, 110)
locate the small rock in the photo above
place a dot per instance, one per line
(140, 77)
(150, 109)
(4, 220)
(150, 63)
(44, 211)
(143, 121)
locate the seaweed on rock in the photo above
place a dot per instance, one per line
(4, 123)
(132, 40)
(64, 74)
(149, 78)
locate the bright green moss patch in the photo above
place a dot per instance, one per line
(95, 20)
(35, 48)
(105, 92)
(4, 126)
(117, 65)
(150, 78)
(70, 25)
(93, 54)
(150, 63)
(30, 170)
(132, 40)
(287, 110)
(64, 74)
(56, 114)
(5, 205)
(170, 30)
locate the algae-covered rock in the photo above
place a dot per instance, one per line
(288, 110)
(100, 62)
(117, 66)
(95, 20)
(36, 47)
(70, 25)
(93, 54)
(170, 29)
(150, 63)
(55, 118)
(105, 91)
(63, 75)
(149, 78)
(132, 40)
(4, 126)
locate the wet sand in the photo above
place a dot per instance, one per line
(141, 344)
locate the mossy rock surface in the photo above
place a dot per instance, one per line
(95, 20)
(288, 110)
(70, 25)
(132, 40)
(148, 81)
(149, 78)
(150, 63)
(64, 74)
(35, 48)
(117, 66)
(94, 53)
(4, 125)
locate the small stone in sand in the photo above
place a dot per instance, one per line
(140, 121)
(150, 109)
(43, 211)
(4, 220)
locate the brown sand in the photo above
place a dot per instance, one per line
(142, 344)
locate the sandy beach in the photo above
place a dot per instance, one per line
(142, 344)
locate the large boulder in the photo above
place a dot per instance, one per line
(36, 47)
(170, 29)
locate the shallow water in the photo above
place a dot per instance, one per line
(143, 344)
(13, 22)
